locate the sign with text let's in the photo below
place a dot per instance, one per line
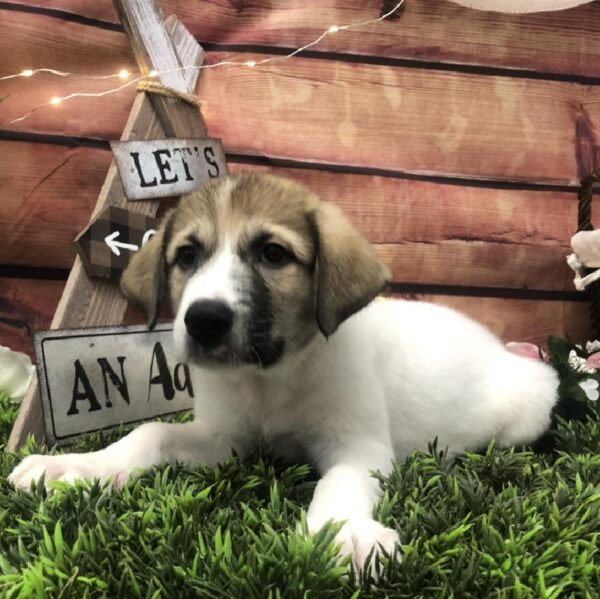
(97, 378)
(167, 167)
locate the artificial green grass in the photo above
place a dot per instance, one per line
(502, 523)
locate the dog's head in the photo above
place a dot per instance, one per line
(254, 267)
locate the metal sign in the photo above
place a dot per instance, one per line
(98, 378)
(167, 167)
(108, 242)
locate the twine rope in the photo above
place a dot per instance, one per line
(585, 200)
(584, 218)
(154, 87)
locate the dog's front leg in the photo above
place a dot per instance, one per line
(347, 492)
(149, 445)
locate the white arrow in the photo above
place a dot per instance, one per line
(149, 233)
(114, 245)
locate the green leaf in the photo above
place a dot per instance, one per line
(559, 350)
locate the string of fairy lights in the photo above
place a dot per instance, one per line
(130, 80)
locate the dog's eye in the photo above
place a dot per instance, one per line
(274, 254)
(186, 256)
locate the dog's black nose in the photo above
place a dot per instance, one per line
(208, 322)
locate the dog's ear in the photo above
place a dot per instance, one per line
(348, 273)
(144, 281)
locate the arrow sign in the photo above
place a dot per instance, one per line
(108, 242)
(167, 167)
(115, 246)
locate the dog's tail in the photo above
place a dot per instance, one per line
(527, 394)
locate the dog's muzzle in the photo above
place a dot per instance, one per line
(209, 323)
(212, 339)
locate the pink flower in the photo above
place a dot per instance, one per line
(527, 350)
(593, 361)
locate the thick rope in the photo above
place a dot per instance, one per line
(154, 87)
(584, 218)
(584, 215)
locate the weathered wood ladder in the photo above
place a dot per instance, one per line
(160, 46)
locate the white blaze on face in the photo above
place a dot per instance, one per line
(221, 278)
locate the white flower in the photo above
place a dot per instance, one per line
(16, 372)
(592, 346)
(590, 388)
(579, 364)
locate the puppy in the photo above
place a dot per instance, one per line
(273, 294)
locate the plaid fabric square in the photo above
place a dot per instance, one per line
(107, 244)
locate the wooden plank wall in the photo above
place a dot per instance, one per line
(454, 138)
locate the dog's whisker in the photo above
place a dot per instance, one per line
(257, 356)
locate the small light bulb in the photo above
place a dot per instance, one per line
(123, 74)
(250, 63)
(27, 73)
(333, 29)
(55, 101)
(153, 73)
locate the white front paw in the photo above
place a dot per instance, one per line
(68, 467)
(359, 536)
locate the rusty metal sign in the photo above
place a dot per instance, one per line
(97, 378)
(167, 167)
